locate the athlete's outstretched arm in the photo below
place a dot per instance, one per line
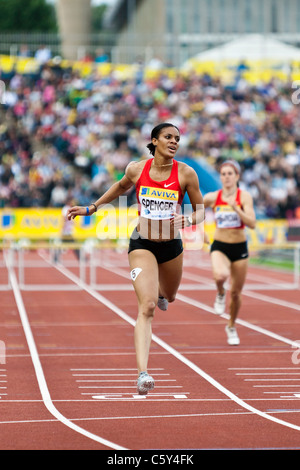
(116, 190)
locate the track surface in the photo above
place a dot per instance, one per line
(69, 376)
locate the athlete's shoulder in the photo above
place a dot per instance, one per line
(245, 196)
(134, 169)
(211, 198)
(186, 170)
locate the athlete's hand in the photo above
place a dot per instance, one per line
(231, 200)
(179, 221)
(76, 210)
(206, 238)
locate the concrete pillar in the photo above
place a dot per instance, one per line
(74, 20)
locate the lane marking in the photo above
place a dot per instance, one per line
(125, 386)
(248, 292)
(39, 370)
(117, 369)
(108, 383)
(207, 308)
(193, 415)
(264, 368)
(120, 397)
(201, 305)
(272, 373)
(271, 380)
(130, 380)
(265, 282)
(173, 351)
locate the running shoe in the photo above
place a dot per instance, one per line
(162, 303)
(220, 304)
(144, 383)
(232, 336)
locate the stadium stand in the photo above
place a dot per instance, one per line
(71, 129)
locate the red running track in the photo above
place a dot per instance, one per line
(68, 381)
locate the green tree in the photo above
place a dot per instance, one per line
(97, 17)
(27, 16)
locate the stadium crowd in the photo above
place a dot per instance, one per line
(63, 135)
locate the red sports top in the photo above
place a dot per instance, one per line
(158, 200)
(225, 216)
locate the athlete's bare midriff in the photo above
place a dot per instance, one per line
(230, 235)
(156, 230)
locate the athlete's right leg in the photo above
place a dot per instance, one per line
(221, 269)
(221, 272)
(170, 274)
(144, 275)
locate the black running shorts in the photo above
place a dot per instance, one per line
(233, 251)
(163, 250)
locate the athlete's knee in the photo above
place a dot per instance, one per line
(235, 294)
(169, 296)
(147, 308)
(220, 276)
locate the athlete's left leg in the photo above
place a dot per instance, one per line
(144, 277)
(170, 274)
(238, 277)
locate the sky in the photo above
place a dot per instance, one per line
(94, 2)
(99, 2)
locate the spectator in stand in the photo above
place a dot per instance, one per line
(101, 56)
(43, 54)
(78, 121)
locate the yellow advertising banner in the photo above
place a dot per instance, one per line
(34, 223)
(109, 223)
(268, 231)
(29, 223)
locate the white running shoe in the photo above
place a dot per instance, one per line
(232, 336)
(162, 303)
(220, 304)
(144, 383)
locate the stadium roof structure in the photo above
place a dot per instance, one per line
(119, 13)
(251, 47)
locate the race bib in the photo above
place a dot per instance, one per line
(226, 217)
(157, 203)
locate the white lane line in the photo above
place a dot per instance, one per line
(295, 386)
(107, 387)
(173, 351)
(250, 293)
(117, 369)
(39, 370)
(272, 380)
(110, 375)
(192, 415)
(207, 308)
(131, 381)
(265, 282)
(104, 418)
(276, 301)
(272, 373)
(263, 331)
(264, 368)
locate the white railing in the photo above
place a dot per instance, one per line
(27, 258)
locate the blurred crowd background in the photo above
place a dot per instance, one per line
(67, 135)
(63, 135)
